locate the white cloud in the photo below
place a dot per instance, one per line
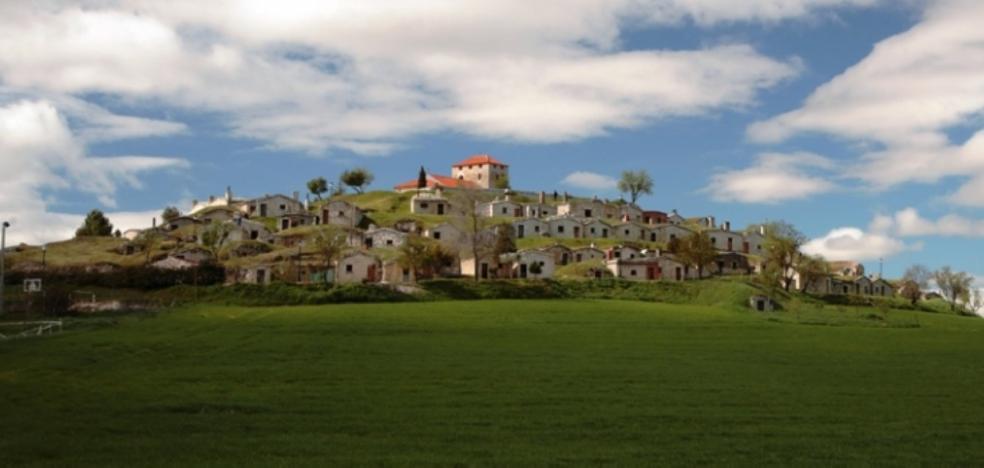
(365, 75)
(908, 223)
(41, 154)
(850, 243)
(903, 97)
(590, 181)
(773, 178)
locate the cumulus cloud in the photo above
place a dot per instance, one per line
(909, 223)
(590, 181)
(903, 97)
(849, 243)
(774, 177)
(364, 75)
(42, 154)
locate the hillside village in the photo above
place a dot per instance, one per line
(276, 237)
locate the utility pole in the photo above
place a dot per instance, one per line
(3, 256)
(881, 261)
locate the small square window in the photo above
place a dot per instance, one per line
(632, 272)
(348, 268)
(437, 234)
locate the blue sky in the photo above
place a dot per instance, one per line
(852, 119)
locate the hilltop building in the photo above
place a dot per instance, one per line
(481, 171)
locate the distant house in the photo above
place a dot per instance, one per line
(663, 268)
(487, 267)
(725, 240)
(430, 204)
(341, 213)
(520, 264)
(274, 206)
(245, 229)
(846, 268)
(357, 267)
(218, 214)
(131, 234)
(482, 170)
(584, 254)
(597, 229)
(582, 209)
(180, 222)
(530, 227)
(753, 242)
(623, 252)
(292, 220)
(630, 231)
(881, 287)
(675, 218)
(384, 237)
(655, 217)
(539, 210)
(630, 213)
(731, 263)
(561, 254)
(497, 207)
(665, 233)
(565, 227)
(447, 233)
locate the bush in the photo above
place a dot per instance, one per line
(141, 277)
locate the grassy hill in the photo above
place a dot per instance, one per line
(494, 382)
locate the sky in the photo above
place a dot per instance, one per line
(859, 121)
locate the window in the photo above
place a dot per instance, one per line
(560, 228)
(480, 177)
(536, 228)
(283, 207)
(389, 241)
(505, 210)
(341, 214)
(632, 272)
(714, 240)
(587, 213)
(437, 234)
(348, 268)
(424, 205)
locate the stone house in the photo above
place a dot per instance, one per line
(430, 204)
(487, 267)
(630, 231)
(499, 207)
(565, 227)
(180, 222)
(341, 213)
(753, 242)
(655, 217)
(482, 170)
(384, 237)
(623, 252)
(675, 218)
(447, 233)
(597, 229)
(292, 220)
(725, 240)
(731, 263)
(219, 214)
(630, 213)
(357, 267)
(530, 227)
(846, 268)
(665, 233)
(519, 264)
(663, 268)
(584, 254)
(539, 210)
(881, 287)
(245, 229)
(582, 209)
(274, 206)
(561, 254)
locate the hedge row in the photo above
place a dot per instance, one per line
(141, 277)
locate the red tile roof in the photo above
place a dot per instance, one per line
(434, 180)
(478, 160)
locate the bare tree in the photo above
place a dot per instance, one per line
(914, 282)
(955, 286)
(477, 240)
(329, 243)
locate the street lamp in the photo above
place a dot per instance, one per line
(3, 255)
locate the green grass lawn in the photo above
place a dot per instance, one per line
(493, 382)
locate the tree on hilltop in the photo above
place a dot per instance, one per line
(635, 183)
(317, 186)
(170, 214)
(955, 286)
(96, 224)
(358, 178)
(914, 282)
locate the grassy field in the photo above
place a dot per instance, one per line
(493, 382)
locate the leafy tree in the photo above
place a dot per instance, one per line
(117, 234)
(811, 269)
(636, 183)
(424, 256)
(914, 282)
(674, 245)
(148, 241)
(214, 236)
(505, 239)
(466, 218)
(96, 225)
(170, 214)
(317, 186)
(502, 183)
(421, 179)
(955, 286)
(782, 251)
(698, 251)
(329, 243)
(358, 179)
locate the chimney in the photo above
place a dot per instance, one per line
(726, 226)
(543, 197)
(762, 230)
(228, 194)
(211, 198)
(566, 197)
(194, 203)
(153, 223)
(297, 196)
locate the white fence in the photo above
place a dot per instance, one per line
(13, 330)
